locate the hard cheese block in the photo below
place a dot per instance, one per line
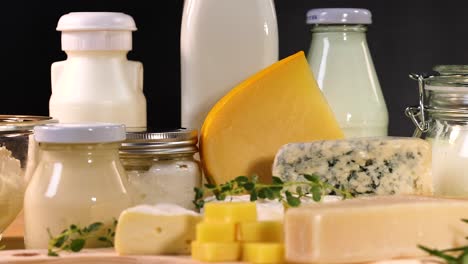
(156, 230)
(278, 105)
(373, 228)
(378, 165)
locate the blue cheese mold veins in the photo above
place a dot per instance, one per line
(377, 165)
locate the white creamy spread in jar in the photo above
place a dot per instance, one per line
(167, 181)
(11, 188)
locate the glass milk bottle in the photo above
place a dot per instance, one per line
(97, 83)
(442, 119)
(341, 62)
(79, 180)
(222, 43)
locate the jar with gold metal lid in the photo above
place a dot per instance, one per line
(161, 166)
(442, 119)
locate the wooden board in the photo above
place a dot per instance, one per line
(108, 256)
(16, 254)
(89, 256)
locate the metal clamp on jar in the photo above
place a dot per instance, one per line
(161, 167)
(442, 119)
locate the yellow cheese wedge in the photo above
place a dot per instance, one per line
(216, 232)
(155, 230)
(261, 231)
(234, 212)
(263, 253)
(278, 105)
(373, 228)
(216, 252)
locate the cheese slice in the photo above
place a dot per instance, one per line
(373, 228)
(278, 105)
(156, 230)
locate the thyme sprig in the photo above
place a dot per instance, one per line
(449, 254)
(74, 238)
(311, 188)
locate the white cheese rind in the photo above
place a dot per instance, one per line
(155, 230)
(162, 209)
(377, 165)
(373, 228)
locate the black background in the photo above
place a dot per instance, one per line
(406, 36)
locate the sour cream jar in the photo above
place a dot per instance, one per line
(79, 180)
(161, 167)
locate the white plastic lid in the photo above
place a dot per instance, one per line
(96, 31)
(80, 133)
(339, 16)
(76, 21)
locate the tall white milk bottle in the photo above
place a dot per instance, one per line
(97, 83)
(342, 64)
(222, 43)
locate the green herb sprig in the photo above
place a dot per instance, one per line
(449, 254)
(312, 188)
(2, 247)
(74, 238)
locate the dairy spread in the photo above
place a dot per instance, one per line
(11, 188)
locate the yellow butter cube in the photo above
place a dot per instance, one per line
(261, 231)
(216, 252)
(263, 253)
(216, 232)
(235, 212)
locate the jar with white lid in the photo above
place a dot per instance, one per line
(79, 180)
(442, 119)
(161, 166)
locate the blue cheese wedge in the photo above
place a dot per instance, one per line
(364, 166)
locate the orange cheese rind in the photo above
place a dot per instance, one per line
(280, 104)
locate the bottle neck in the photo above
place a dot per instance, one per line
(329, 28)
(78, 151)
(97, 55)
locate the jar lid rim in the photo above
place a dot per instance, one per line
(179, 134)
(13, 123)
(176, 141)
(450, 75)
